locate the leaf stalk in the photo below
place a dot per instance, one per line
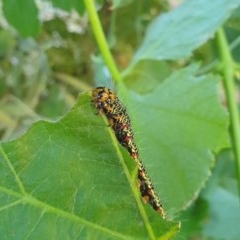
(229, 87)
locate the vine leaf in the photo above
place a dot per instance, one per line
(176, 34)
(64, 180)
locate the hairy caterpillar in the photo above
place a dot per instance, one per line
(106, 102)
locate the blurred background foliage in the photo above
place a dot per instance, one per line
(43, 68)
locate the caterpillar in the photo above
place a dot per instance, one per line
(106, 102)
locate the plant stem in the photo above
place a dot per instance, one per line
(101, 40)
(228, 80)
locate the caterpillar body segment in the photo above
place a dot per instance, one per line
(106, 102)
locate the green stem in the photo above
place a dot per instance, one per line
(228, 80)
(101, 40)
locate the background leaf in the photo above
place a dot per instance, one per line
(176, 34)
(22, 14)
(64, 180)
(222, 190)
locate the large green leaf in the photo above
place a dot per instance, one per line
(178, 127)
(22, 14)
(69, 180)
(176, 34)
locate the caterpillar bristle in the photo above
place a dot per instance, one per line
(106, 102)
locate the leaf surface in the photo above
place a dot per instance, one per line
(178, 128)
(68, 180)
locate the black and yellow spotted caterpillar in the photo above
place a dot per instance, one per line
(106, 102)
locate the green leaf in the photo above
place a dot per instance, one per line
(222, 190)
(68, 180)
(176, 34)
(223, 223)
(22, 14)
(178, 127)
